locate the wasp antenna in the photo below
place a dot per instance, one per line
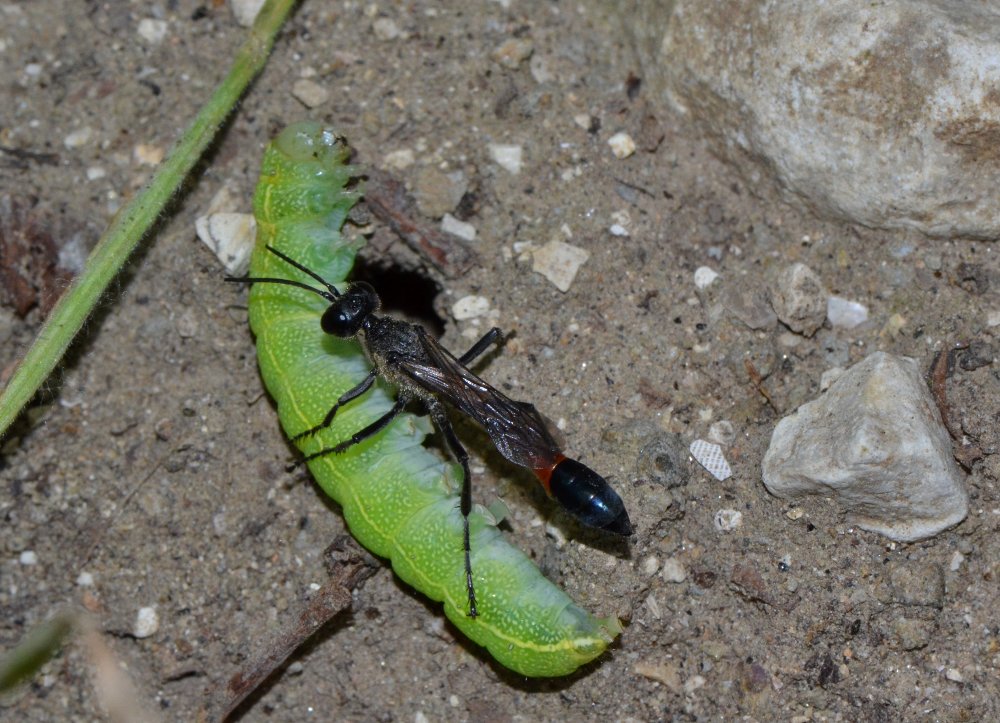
(287, 282)
(288, 260)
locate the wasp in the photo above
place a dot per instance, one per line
(422, 370)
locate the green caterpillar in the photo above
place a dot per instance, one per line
(400, 500)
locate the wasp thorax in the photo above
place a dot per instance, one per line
(347, 315)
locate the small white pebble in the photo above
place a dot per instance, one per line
(147, 622)
(152, 30)
(33, 70)
(845, 313)
(727, 520)
(231, 238)
(28, 557)
(450, 224)
(403, 158)
(147, 154)
(650, 565)
(795, 513)
(95, 173)
(654, 607)
(622, 145)
(704, 276)
(693, 683)
(954, 675)
(993, 318)
(583, 120)
(507, 156)
(673, 570)
(454, 701)
(559, 262)
(469, 307)
(85, 579)
(722, 432)
(556, 534)
(617, 229)
(245, 11)
(956, 561)
(385, 29)
(79, 137)
(310, 93)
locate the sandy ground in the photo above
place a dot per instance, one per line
(156, 475)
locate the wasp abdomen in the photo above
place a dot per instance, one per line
(588, 497)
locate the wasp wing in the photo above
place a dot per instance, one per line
(516, 428)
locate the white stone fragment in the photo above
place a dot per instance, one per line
(245, 11)
(399, 160)
(845, 313)
(507, 156)
(710, 456)
(469, 307)
(954, 675)
(78, 138)
(452, 225)
(28, 557)
(622, 145)
(148, 154)
(152, 30)
(673, 570)
(558, 262)
(875, 443)
(85, 579)
(694, 683)
(385, 29)
(310, 93)
(727, 520)
(147, 622)
(956, 561)
(230, 236)
(799, 299)
(722, 432)
(704, 276)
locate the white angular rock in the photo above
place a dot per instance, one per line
(882, 113)
(558, 262)
(875, 443)
(230, 236)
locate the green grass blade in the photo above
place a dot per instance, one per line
(134, 220)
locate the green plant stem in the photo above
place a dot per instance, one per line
(34, 650)
(131, 223)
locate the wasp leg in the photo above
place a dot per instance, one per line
(442, 422)
(362, 434)
(347, 396)
(492, 336)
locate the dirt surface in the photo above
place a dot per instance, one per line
(156, 476)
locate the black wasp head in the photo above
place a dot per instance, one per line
(349, 311)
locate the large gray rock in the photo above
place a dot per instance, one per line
(875, 443)
(885, 114)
